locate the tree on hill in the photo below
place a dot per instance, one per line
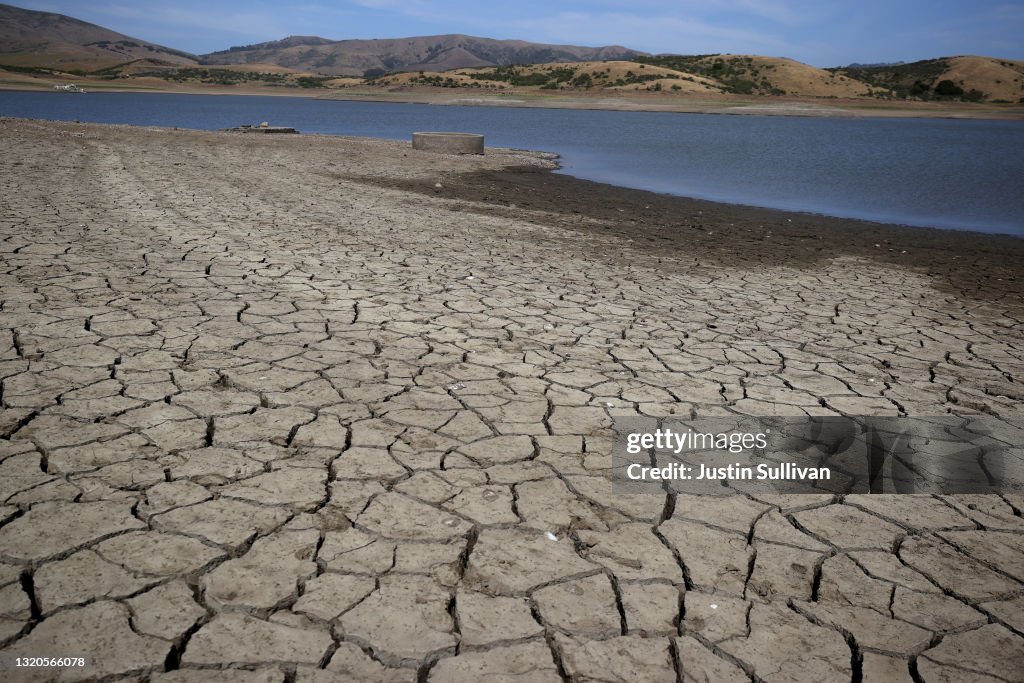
(947, 88)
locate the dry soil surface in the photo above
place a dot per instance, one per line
(327, 409)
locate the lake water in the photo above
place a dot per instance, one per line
(967, 175)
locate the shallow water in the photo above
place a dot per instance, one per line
(960, 174)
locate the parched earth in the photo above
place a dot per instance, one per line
(326, 409)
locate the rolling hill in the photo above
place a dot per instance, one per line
(970, 77)
(612, 75)
(695, 74)
(54, 41)
(757, 75)
(433, 53)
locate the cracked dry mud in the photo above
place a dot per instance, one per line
(287, 410)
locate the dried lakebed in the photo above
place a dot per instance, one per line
(329, 409)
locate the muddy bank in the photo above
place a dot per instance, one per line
(977, 265)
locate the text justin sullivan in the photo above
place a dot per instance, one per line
(676, 471)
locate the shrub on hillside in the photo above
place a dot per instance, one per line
(583, 81)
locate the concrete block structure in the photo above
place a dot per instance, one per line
(449, 143)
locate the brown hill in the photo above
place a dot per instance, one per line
(750, 74)
(260, 68)
(969, 77)
(613, 74)
(796, 78)
(47, 40)
(998, 79)
(428, 53)
(758, 75)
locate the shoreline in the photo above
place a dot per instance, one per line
(780, 213)
(783, 211)
(735, 235)
(724, 105)
(558, 170)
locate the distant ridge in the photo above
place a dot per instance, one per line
(48, 40)
(387, 55)
(874, 65)
(290, 41)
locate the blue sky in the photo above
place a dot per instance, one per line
(820, 32)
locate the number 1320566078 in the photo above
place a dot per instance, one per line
(17, 662)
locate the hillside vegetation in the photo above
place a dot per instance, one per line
(967, 79)
(736, 74)
(581, 75)
(755, 75)
(970, 78)
(255, 74)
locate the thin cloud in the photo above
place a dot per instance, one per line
(656, 34)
